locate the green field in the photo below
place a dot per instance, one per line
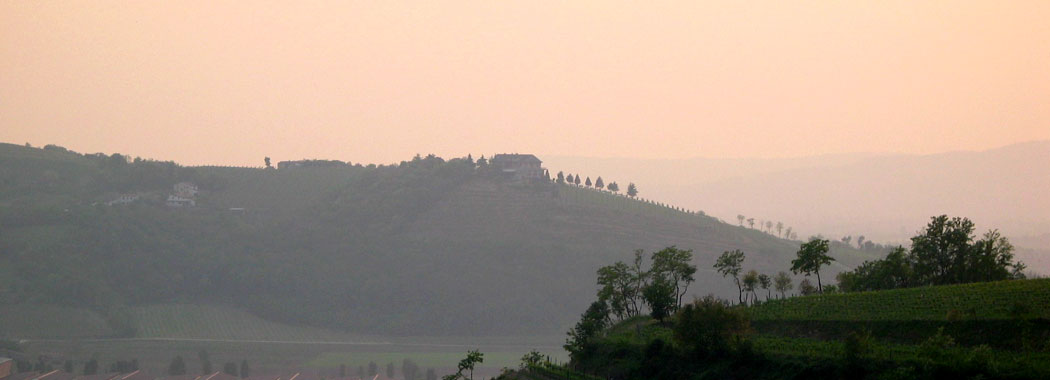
(222, 322)
(979, 301)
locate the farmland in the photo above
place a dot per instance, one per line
(979, 301)
(222, 323)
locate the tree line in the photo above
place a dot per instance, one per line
(946, 252)
(767, 226)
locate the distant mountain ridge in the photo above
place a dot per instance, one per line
(429, 246)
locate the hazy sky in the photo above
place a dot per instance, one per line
(378, 81)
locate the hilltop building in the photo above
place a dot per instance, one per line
(185, 190)
(185, 195)
(177, 201)
(518, 166)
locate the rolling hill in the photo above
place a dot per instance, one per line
(427, 247)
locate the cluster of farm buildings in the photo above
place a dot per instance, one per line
(184, 194)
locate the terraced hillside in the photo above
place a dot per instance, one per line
(908, 333)
(1009, 315)
(986, 301)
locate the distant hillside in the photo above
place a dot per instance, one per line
(885, 197)
(425, 247)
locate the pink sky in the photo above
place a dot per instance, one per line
(228, 82)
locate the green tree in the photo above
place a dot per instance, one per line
(614, 187)
(750, 281)
(467, 364)
(593, 321)
(765, 282)
(617, 288)
(805, 287)
(577, 180)
(267, 162)
(659, 294)
(676, 265)
(751, 223)
(740, 219)
(812, 256)
(730, 263)
(588, 182)
(530, 359)
(599, 183)
(561, 178)
(632, 190)
(177, 367)
(708, 326)
(783, 283)
(780, 229)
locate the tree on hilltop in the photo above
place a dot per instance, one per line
(751, 222)
(613, 187)
(740, 219)
(599, 183)
(588, 182)
(266, 160)
(632, 190)
(561, 178)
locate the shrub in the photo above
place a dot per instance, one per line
(709, 326)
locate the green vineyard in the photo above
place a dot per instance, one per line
(1017, 299)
